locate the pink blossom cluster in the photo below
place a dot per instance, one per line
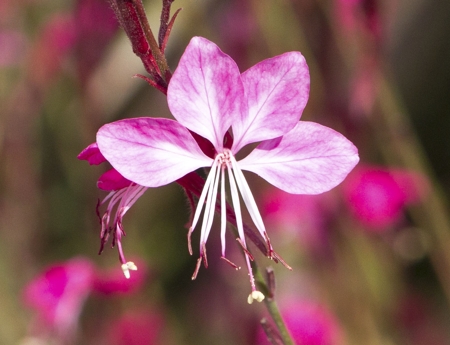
(59, 293)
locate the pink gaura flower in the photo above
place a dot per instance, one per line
(377, 196)
(58, 294)
(122, 195)
(210, 97)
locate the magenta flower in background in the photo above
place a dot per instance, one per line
(309, 323)
(139, 327)
(354, 15)
(57, 296)
(305, 217)
(123, 194)
(377, 196)
(209, 96)
(96, 27)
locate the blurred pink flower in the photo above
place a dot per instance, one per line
(309, 323)
(96, 26)
(12, 47)
(344, 12)
(57, 296)
(56, 40)
(238, 29)
(377, 196)
(417, 319)
(304, 216)
(354, 15)
(364, 86)
(136, 328)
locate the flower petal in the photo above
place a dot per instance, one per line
(277, 91)
(112, 180)
(92, 154)
(206, 93)
(149, 151)
(309, 159)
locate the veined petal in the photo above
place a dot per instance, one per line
(205, 93)
(309, 159)
(150, 151)
(277, 90)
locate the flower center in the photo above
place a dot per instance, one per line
(224, 159)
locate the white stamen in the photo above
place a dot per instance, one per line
(127, 267)
(201, 201)
(255, 296)
(132, 194)
(247, 196)
(223, 216)
(236, 204)
(210, 204)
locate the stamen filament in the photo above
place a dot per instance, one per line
(197, 268)
(249, 201)
(201, 200)
(230, 263)
(210, 204)
(223, 209)
(236, 204)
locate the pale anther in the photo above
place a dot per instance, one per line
(255, 296)
(127, 267)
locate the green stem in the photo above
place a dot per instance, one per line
(272, 307)
(269, 301)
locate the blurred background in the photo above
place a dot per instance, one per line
(370, 259)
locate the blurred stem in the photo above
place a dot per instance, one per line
(399, 144)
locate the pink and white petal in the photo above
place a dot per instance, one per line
(150, 151)
(277, 90)
(92, 154)
(112, 180)
(309, 159)
(205, 93)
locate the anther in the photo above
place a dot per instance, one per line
(126, 267)
(255, 296)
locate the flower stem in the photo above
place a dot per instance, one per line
(154, 47)
(272, 306)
